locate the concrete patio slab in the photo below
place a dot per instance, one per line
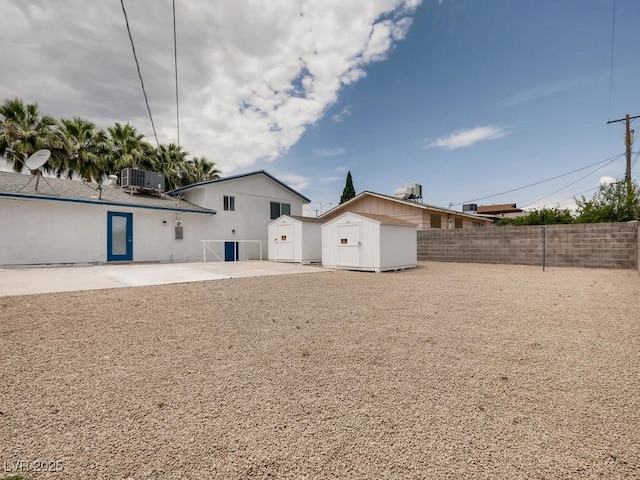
(30, 280)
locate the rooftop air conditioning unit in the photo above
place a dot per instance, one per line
(142, 179)
(470, 208)
(410, 191)
(403, 192)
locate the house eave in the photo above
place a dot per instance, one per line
(20, 196)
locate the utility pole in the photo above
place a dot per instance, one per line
(627, 141)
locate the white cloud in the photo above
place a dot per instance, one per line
(606, 180)
(466, 138)
(253, 75)
(327, 152)
(297, 182)
(341, 115)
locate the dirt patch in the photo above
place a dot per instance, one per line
(446, 371)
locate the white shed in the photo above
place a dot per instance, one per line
(363, 241)
(295, 239)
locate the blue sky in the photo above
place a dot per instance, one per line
(468, 98)
(537, 73)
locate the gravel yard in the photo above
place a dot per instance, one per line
(445, 371)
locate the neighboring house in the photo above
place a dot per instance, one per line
(504, 210)
(68, 221)
(420, 214)
(245, 204)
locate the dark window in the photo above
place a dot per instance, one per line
(278, 209)
(230, 203)
(458, 222)
(436, 221)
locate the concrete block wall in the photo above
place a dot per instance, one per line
(604, 245)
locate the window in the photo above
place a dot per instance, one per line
(230, 203)
(458, 222)
(436, 221)
(278, 209)
(478, 224)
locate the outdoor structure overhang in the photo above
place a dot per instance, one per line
(234, 177)
(345, 206)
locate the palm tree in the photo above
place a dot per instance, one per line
(23, 131)
(171, 160)
(126, 147)
(84, 147)
(202, 170)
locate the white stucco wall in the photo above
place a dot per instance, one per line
(253, 196)
(53, 232)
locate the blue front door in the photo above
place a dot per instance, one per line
(231, 251)
(119, 237)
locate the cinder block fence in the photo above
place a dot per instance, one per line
(605, 245)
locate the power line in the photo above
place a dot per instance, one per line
(572, 183)
(175, 61)
(611, 159)
(135, 57)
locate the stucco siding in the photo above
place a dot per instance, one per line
(45, 232)
(253, 196)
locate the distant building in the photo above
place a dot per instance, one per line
(421, 214)
(502, 210)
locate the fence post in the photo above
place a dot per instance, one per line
(544, 248)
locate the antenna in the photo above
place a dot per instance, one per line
(35, 163)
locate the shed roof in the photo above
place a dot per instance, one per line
(235, 177)
(383, 219)
(425, 206)
(14, 185)
(306, 219)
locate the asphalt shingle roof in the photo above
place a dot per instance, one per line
(17, 185)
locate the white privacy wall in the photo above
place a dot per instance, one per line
(56, 232)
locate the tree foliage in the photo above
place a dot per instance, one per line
(543, 216)
(23, 131)
(79, 149)
(349, 192)
(613, 202)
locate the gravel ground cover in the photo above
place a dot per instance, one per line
(445, 371)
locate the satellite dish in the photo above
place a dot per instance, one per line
(38, 159)
(35, 163)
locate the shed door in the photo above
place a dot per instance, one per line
(349, 245)
(284, 242)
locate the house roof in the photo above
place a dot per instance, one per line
(424, 206)
(499, 208)
(17, 185)
(235, 177)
